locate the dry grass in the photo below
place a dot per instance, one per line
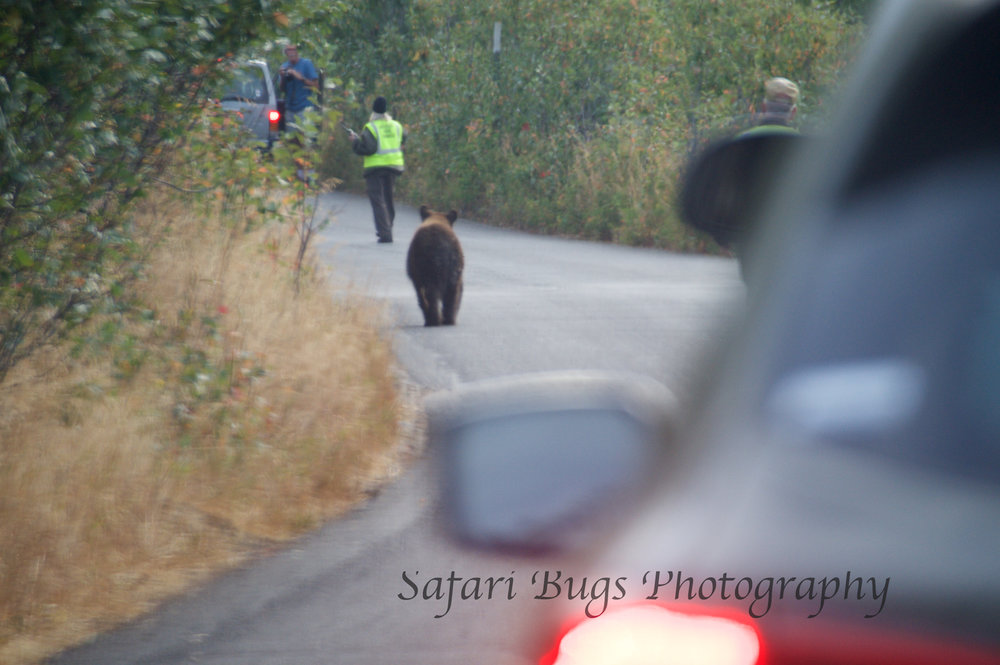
(254, 415)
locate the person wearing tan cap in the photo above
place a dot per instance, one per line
(781, 98)
(756, 155)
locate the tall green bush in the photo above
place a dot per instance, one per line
(95, 98)
(591, 104)
(92, 96)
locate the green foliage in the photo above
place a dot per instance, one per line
(95, 99)
(92, 96)
(594, 104)
(856, 9)
(369, 38)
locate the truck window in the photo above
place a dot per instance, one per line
(247, 85)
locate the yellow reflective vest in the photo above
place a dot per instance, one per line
(389, 136)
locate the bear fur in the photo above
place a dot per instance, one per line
(434, 264)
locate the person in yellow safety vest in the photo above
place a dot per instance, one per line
(781, 99)
(381, 144)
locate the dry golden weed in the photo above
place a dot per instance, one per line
(118, 493)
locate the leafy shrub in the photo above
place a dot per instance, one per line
(93, 96)
(582, 120)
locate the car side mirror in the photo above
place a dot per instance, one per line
(725, 186)
(541, 463)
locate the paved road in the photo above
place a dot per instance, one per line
(531, 303)
(538, 303)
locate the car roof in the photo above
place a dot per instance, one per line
(931, 86)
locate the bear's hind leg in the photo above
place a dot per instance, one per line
(451, 302)
(429, 305)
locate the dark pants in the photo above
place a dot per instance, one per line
(380, 183)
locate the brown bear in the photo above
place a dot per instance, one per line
(434, 264)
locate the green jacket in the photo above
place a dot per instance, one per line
(769, 129)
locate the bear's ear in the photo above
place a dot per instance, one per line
(425, 212)
(452, 216)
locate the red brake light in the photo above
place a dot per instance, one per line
(651, 634)
(273, 116)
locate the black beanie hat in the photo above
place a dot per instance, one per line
(379, 105)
